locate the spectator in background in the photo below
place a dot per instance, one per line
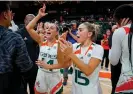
(105, 45)
(33, 50)
(72, 34)
(13, 26)
(71, 37)
(14, 58)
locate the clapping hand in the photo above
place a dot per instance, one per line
(66, 47)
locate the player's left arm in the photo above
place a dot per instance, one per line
(94, 62)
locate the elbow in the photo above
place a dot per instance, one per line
(87, 73)
(28, 28)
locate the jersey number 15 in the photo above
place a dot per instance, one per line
(79, 76)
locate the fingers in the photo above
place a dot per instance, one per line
(67, 43)
(122, 21)
(125, 21)
(62, 46)
(44, 6)
(64, 42)
(40, 63)
(62, 36)
(65, 46)
(70, 44)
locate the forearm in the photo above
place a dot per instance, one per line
(66, 64)
(60, 55)
(31, 31)
(85, 68)
(56, 66)
(32, 23)
(74, 36)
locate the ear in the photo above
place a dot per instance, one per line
(89, 34)
(57, 33)
(5, 15)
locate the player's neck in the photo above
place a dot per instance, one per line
(86, 43)
(51, 41)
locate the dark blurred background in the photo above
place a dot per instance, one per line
(68, 10)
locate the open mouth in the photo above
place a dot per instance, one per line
(78, 36)
(48, 33)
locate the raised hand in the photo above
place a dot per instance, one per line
(66, 47)
(42, 11)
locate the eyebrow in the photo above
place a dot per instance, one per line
(80, 28)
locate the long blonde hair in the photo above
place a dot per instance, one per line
(94, 28)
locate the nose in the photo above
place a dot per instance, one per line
(77, 32)
(48, 29)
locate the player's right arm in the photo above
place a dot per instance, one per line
(66, 64)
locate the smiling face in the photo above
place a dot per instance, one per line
(83, 33)
(51, 32)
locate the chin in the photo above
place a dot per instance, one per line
(79, 41)
(49, 38)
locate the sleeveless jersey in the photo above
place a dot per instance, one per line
(48, 54)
